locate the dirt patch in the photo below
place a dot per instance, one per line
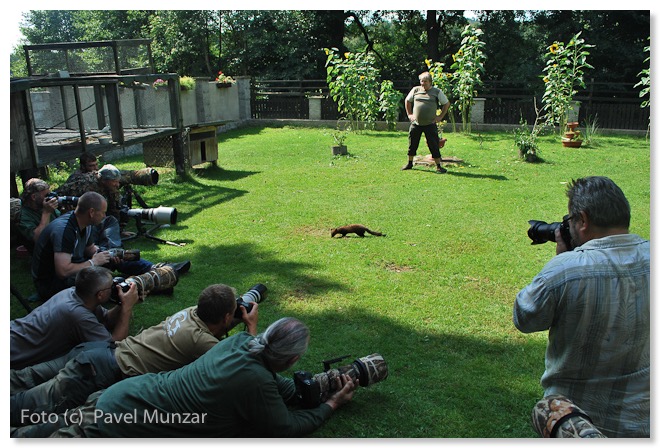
(393, 267)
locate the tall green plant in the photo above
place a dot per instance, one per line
(353, 83)
(645, 80)
(390, 103)
(444, 81)
(468, 67)
(564, 73)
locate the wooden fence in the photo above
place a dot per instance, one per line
(613, 105)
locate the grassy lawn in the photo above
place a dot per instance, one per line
(434, 296)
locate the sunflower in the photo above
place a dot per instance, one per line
(554, 47)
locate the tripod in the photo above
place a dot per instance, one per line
(142, 230)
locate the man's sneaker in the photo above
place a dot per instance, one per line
(407, 166)
(440, 170)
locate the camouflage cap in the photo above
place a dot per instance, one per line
(109, 172)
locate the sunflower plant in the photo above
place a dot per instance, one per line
(564, 73)
(468, 67)
(443, 81)
(353, 83)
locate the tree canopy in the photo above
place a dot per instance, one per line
(288, 44)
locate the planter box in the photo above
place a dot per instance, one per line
(339, 150)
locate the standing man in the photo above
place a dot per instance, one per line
(595, 300)
(422, 104)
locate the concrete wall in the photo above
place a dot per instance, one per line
(145, 106)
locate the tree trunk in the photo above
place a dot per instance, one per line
(432, 33)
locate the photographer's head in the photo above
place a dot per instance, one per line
(88, 163)
(34, 192)
(597, 207)
(216, 306)
(110, 177)
(282, 344)
(94, 284)
(91, 208)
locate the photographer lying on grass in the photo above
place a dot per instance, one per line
(66, 382)
(234, 390)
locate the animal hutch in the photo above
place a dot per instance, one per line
(96, 97)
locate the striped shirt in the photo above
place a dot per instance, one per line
(595, 300)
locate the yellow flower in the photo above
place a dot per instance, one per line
(545, 79)
(428, 62)
(448, 75)
(361, 77)
(327, 52)
(554, 47)
(347, 54)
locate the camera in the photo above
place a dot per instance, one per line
(312, 390)
(159, 215)
(144, 176)
(255, 294)
(541, 232)
(125, 254)
(63, 200)
(123, 284)
(158, 279)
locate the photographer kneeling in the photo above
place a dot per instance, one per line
(234, 390)
(595, 300)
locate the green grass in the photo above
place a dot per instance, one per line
(434, 297)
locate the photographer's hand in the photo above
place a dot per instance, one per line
(50, 205)
(130, 297)
(346, 388)
(561, 244)
(100, 258)
(251, 318)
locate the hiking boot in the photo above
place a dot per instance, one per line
(440, 170)
(179, 268)
(407, 166)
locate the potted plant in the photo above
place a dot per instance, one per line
(186, 83)
(224, 80)
(339, 137)
(159, 84)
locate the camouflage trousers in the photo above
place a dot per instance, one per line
(558, 417)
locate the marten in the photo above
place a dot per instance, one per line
(358, 229)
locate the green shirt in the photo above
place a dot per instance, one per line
(227, 392)
(30, 220)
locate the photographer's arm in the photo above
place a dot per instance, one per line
(64, 267)
(49, 208)
(346, 389)
(119, 318)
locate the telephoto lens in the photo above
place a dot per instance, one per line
(316, 389)
(255, 294)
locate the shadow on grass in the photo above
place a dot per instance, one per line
(233, 263)
(438, 385)
(451, 172)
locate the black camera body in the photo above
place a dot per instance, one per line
(312, 390)
(255, 294)
(541, 232)
(63, 200)
(123, 284)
